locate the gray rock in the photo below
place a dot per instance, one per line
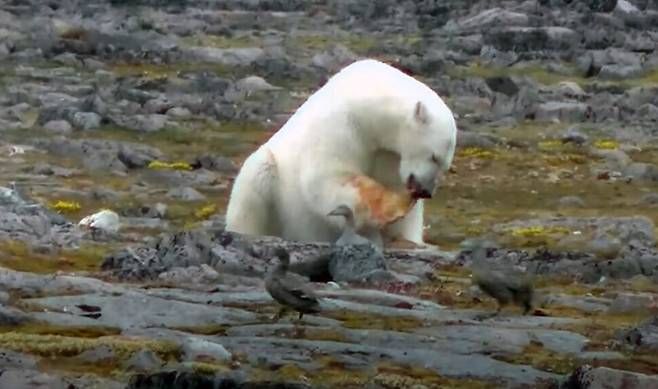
(604, 246)
(194, 348)
(143, 360)
(587, 377)
(61, 127)
(571, 202)
(489, 18)
(563, 111)
(141, 123)
(619, 72)
(641, 171)
(633, 303)
(523, 39)
(157, 106)
(573, 135)
(643, 337)
(139, 310)
(334, 59)
(467, 139)
(186, 194)
(650, 199)
(179, 112)
(86, 120)
(216, 163)
(238, 57)
(647, 112)
(98, 355)
(355, 262)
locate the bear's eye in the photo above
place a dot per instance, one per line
(435, 160)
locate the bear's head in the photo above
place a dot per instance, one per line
(426, 147)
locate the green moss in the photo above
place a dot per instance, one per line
(18, 256)
(221, 42)
(365, 321)
(58, 345)
(534, 354)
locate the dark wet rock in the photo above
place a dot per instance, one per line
(216, 163)
(588, 377)
(184, 379)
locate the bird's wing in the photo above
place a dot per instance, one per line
(297, 289)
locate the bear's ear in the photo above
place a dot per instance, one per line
(420, 113)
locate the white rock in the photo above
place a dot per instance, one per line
(106, 220)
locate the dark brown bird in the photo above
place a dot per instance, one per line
(503, 283)
(288, 289)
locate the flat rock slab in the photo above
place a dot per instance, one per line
(138, 310)
(274, 350)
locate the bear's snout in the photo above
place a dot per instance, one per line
(417, 189)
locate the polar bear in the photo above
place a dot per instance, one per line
(370, 122)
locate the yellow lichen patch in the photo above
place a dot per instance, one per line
(58, 345)
(606, 144)
(476, 152)
(565, 159)
(166, 165)
(534, 354)
(535, 231)
(63, 206)
(205, 212)
(365, 321)
(549, 144)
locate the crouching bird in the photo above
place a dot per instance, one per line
(349, 235)
(504, 283)
(289, 289)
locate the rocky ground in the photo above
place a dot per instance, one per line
(149, 107)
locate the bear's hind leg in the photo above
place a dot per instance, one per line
(250, 207)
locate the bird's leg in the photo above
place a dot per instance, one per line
(279, 314)
(298, 328)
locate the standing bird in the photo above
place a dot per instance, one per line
(350, 236)
(288, 289)
(503, 283)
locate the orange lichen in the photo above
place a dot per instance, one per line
(383, 206)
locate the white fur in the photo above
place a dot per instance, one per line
(365, 120)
